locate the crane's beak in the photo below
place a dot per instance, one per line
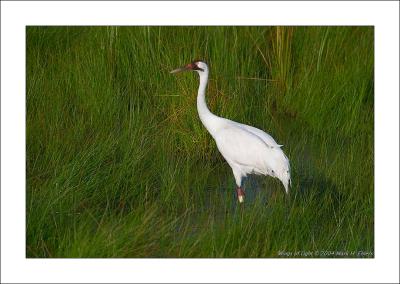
(181, 69)
(187, 67)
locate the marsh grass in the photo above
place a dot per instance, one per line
(119, 165)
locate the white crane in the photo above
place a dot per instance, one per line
(248, 150)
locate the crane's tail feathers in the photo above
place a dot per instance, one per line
(286, 185)
(286, 180)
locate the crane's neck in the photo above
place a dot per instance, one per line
(209, 120)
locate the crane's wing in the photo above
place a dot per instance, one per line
(242, 147)
(261, 134)
(247, 153)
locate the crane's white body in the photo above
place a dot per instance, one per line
(248, 150)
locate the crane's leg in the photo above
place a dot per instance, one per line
(239, 190)
(240, 194)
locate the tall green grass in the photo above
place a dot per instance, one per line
(119, 165)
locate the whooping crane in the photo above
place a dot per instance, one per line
(248, 150)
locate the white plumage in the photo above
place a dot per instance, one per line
(248, 150)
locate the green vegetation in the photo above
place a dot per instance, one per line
(119, 165)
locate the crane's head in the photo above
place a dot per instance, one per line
(196, 65)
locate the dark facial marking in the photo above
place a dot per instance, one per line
(193, 66)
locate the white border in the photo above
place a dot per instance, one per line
(14, 17)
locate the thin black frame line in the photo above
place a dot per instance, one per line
(206, 258)
(191, 26)
(116, 1)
